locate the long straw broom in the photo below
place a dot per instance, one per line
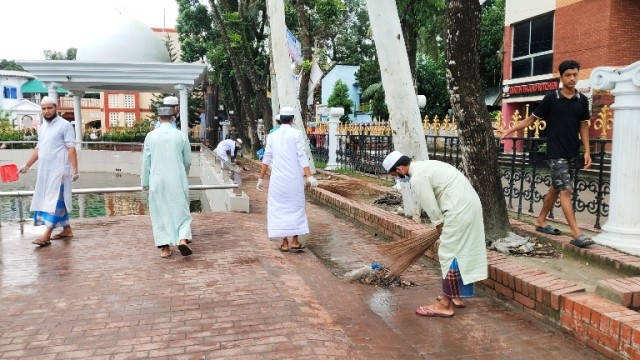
(405, 252)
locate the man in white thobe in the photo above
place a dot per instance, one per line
(166, 159)
(226, 149)
(454, 208)
(285, 154)
(57, 169)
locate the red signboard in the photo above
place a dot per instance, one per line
(531, 89)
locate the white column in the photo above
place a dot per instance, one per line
(52, 89)
(77, 115)
(622, 230)
(334, 119)
(225, 129)
(261, 129)
(183, 92)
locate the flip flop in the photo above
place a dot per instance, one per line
(184, 249)
(41, 243)
(284, 249)
(60, 237)
(166, 255)
(548, 230)
(582, 241)
(300, 247)
(424, 311)
(459, 306)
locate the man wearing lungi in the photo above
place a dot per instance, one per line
(57, 169)
(454, 208)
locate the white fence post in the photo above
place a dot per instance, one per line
(334, 120)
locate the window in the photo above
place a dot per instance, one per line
(532, 47)
(129, 119)
(129, 101)
(114, 101)
(10, 92)
(114, 119)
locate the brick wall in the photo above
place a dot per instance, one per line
(597, 33)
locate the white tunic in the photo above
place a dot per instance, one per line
(448, 197)
(54, 165)
(224, 146)
(285, 155)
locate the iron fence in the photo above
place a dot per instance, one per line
(319, 146)
(523, 169)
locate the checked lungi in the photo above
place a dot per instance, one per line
(452, 285)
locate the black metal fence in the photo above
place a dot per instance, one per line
(523, 169)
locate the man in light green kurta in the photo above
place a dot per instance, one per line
(453, 206)
(166, 160)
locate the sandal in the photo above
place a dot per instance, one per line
(184, 249)
(284, 249)
(165, 252)
(41, 242)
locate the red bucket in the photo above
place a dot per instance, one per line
(9, 172)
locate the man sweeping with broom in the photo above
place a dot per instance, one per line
(454, 208)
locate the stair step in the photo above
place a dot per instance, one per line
(624, 291)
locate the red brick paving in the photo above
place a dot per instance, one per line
(107, 294)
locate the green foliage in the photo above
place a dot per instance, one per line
(379, 108)
(10, 65)
(340, 98)
(491, 41)
(432, 83)
(70, 54)
(136, 133)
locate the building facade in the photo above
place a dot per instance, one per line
(540, 34)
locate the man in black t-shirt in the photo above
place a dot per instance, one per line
(566, 113)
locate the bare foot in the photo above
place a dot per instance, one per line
(456, 302)
(165, 252)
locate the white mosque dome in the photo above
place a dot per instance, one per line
(123, 39)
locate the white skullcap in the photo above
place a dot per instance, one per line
(391, 160)
(286, 111)
(48, 100)
(165, 111)
(239, 141)
(278, 117)
(170, 101)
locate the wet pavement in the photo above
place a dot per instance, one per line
(107, 294)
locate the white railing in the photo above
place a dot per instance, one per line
(23, 193)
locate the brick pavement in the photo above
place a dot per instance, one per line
(106, 294)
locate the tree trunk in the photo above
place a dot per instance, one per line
(245, 100)
(284, 74)
(477, 142)
(400, 95)
(307, 53)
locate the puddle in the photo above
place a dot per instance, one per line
(382, 302)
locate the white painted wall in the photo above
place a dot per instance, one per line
(518, 10)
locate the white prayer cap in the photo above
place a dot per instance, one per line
(170, 101)
(286, 111)
(278, 117)
(239, 141)
(48, 100)
(165, 111)
(391, 160)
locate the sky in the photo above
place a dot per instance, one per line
(32, 26)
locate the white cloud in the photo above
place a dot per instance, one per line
(30, 27)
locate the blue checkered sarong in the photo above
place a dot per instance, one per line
(58, 219)
(452, 285)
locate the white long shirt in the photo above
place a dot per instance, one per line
(448, 197)
(285, 155)
(54, 165)
(224, 146)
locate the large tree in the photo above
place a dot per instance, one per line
(477, 141)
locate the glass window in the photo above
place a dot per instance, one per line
(10, 92)
(114, 119)
(129, 101)
(533, 47)
(114, 101)
(129, 119)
